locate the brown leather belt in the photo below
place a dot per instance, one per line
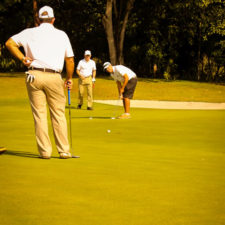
(45, 70)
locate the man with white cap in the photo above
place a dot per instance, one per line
(46, 48)
(126, 81)
(86, 70)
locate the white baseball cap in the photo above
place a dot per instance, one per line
(106, 65)
(46, 12)
(87, 52)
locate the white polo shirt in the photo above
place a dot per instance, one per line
(86, 67)
(46, 45)
(119, 71)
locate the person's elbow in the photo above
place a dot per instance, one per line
(8, 43)
(70, 63)
(126, 77)
(70, 60)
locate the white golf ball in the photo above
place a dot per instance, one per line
(108, 131)
(113, 118)
(90, 118)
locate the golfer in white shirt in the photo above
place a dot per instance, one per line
(126, 81)
(86, 70)
(46, 48)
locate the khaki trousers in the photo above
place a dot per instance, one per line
(48, 88)
(82, 84)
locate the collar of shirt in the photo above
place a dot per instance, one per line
(46, 25)
(89, 61)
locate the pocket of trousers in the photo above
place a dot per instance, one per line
(87, 81)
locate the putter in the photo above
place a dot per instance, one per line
(70, 126)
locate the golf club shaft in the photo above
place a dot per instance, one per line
(116, 108)
(70, 125)
(69, 103)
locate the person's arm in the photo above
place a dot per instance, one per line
(93, 71)
(119, 88)
(79, 75)
(93, 74)
(69, 72)
(15, 51)
(126, 79)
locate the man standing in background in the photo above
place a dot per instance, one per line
(86, 70)
(46, 48)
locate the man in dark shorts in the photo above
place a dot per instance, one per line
(126, 81)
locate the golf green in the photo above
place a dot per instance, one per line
(162, 167)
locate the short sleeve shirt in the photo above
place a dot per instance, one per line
(86, 67)
(46, 45)
(119, 71)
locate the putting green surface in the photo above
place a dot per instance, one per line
(162, 167)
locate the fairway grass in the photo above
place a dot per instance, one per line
(162, 167)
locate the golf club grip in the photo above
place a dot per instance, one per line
(69, 101)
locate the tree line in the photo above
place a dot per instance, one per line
(171, 39)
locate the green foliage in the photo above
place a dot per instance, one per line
(186, 32)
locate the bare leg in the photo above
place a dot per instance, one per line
(126, 105)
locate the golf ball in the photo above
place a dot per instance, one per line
(90, 118)
(108, 131)
(113, 118)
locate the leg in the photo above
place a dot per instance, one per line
(38, 105)
(126, 105)
(127, 95)
(54, 88)
(90, 93)
(80, 92)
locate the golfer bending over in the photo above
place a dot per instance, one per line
(46, 48)
(126, 81)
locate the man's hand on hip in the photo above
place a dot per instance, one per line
(14, 49)
(27, 61)
(69, 84)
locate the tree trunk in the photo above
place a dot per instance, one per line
(120, 58)
(108, 25)
(199, 56)
(115, 35)
(35, 13)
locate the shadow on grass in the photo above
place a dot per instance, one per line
(93, 117)
(72, 107)
(23, 154)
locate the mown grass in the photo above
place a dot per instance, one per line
(162, 167)
(147, 89)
